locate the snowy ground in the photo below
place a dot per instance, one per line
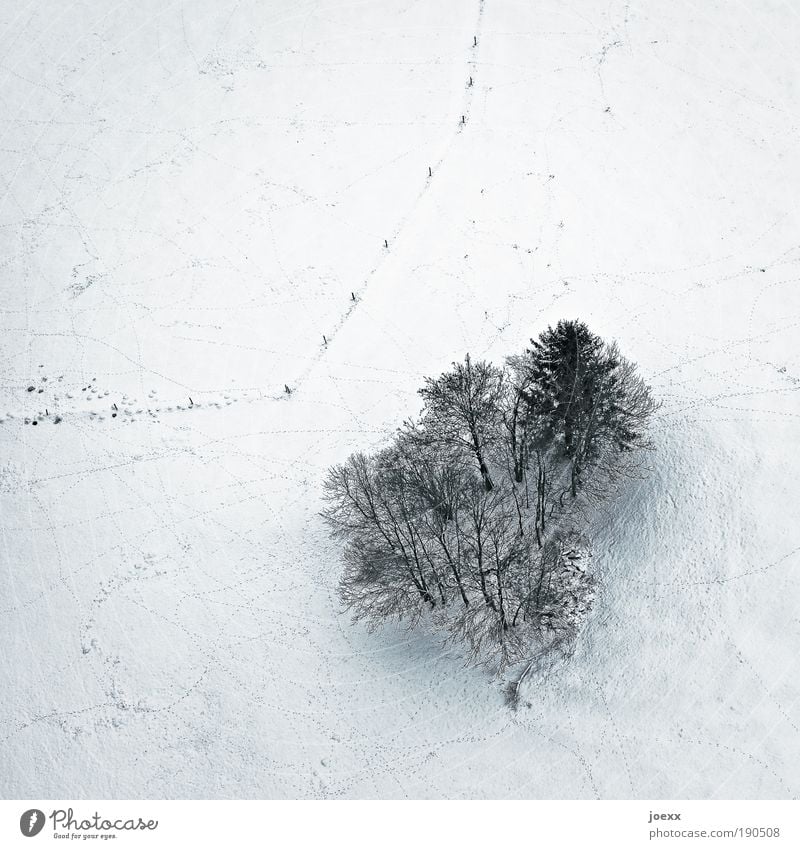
(190, 193)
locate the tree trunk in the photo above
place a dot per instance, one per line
(476, 447)
(484, 589)
(568, 434)
(487, 481)
(500, 598)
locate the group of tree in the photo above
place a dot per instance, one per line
(477, 512)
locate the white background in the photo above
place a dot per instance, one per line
(362, 825)
(191, 191)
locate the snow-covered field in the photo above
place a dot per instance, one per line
(191, 191)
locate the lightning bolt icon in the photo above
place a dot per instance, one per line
(33, 819)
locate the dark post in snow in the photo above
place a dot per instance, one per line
(386, 243)
(324, 339)
(353, 295)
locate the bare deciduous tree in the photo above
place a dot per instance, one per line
(462, 408)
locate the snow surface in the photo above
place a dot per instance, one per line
(191, 191)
